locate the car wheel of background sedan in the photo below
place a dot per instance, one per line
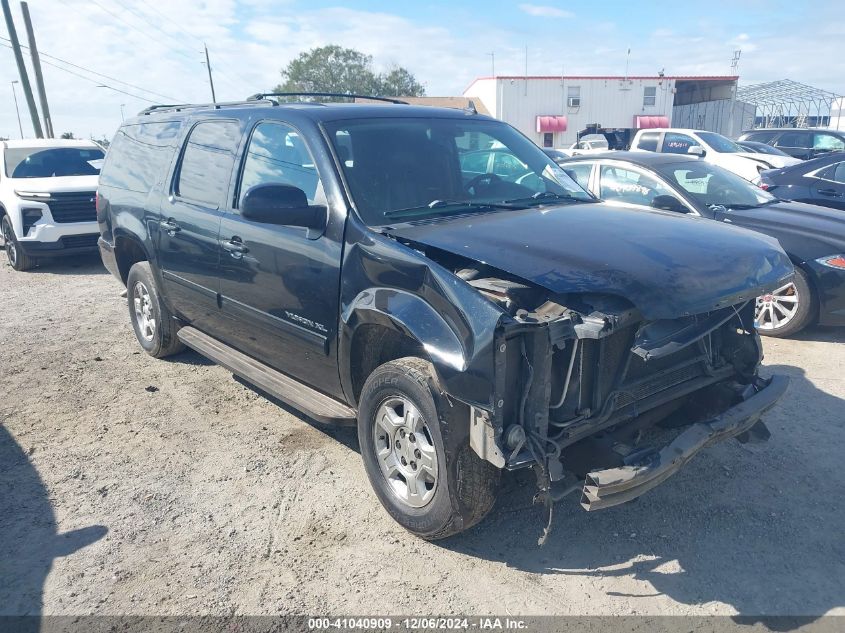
(17, 258)
(153, 323)
(787, 309)
(429, 490)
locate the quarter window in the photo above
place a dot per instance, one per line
(632, 187)
(278, 155)
(649, 95)
(648, 141)
(207, 162)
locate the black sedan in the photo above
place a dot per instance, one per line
(818, 181)
(812, 236)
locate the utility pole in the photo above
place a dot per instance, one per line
(17, 110)
(36, 66)
(210, 80)
(16, 47)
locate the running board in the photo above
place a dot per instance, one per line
(315, 404)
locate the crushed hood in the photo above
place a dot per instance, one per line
(668, 265)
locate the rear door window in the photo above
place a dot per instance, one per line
(675, 143)
(632, 187)
(207, 162)
(139, 156)
(795, 139)
(827, 142)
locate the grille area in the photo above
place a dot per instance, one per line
(80, 241)
(77, 206)
(648, 387)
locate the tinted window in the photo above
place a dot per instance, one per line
(760, 137)
(277, 154)
(48, 162)
(139, 156)
(579, 172)
(648, 141)
(625, 185)
(827, 142)
(839, 174)
(401, 166)
(207, 162)
(674, 143)
(711, 185)
(795, 139)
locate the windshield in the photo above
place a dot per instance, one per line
(419, 168)
(41, 162)
(710, 185)
(720, 143)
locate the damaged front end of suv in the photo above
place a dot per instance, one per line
(606, 379)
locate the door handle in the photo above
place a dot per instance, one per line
(234, 246)
(830, 192)
(170, 226)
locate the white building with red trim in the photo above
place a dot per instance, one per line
(554, 110)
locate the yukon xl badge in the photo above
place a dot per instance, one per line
(306, 322)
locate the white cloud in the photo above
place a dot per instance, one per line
(545, 11)
(251, 40)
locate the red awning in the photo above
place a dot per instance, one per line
(551, 124)
(645, 122)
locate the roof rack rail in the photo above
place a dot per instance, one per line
(264, 95)
(177, 107)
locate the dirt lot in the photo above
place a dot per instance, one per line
(130, 485)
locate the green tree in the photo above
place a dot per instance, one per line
(345, 70)
(67, 135)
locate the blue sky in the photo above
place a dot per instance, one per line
(155, 45)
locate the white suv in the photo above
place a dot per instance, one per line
(47, 198)
(712, 147)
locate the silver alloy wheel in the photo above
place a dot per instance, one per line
(405, 451)
(144, 311)
(9, 242)
(773, 311)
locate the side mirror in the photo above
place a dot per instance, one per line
(696, 150)
(283, 205)
(668, 203)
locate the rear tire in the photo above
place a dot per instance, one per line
(794, 308)
(408, 432)
(154, 325)
(18, 260)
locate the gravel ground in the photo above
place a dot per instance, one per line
(130, 485)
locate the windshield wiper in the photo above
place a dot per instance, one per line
(436, 204)
(543, 197)
(744, 207)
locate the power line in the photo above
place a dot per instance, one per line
(94, 72)
(129, 94)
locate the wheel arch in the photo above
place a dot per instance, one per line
(129, 250)
(385, 324)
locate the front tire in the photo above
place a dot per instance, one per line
(788, 309)
(18, 260)
(416, 452)
(153, 323)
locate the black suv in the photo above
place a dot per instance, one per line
(803, 143)
(432, 274)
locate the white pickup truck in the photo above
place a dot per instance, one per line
(710, 146)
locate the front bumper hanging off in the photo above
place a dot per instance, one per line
(610, 487)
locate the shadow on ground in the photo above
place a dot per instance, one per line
(29, 536)
(84, 264)
(758, 528)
